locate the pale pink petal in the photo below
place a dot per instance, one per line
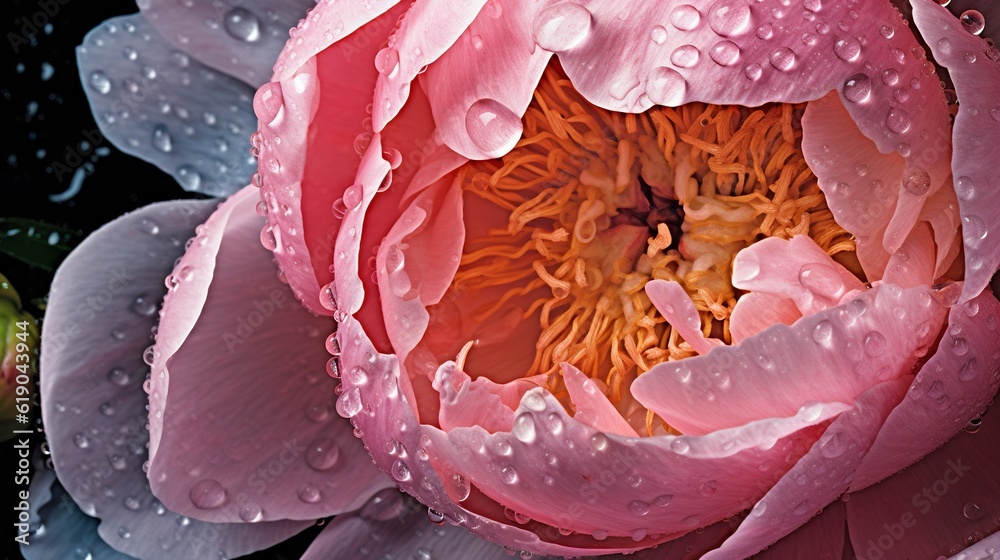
(990, 11)
(757, 311)
(328, 23)
(232, 340)
(483, 84)
(465, 402)
(734, 52)
(592, 406)
(974, 66)
(951, 389)
(913, 264)
(393, 525)
(309, 155)
(935, 507)
(859, 182)
(941, 212)
(820, 477)
(832, 356)
(429, 29)
(797, 269)
(380, 410)
(548, 457)
(677, 308)
(102, 306)
(241, 38)
(155, 103)
(821, 538)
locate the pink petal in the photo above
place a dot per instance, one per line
(797, 269)
(983, 549)
(381, 411)
(150, 107)
(677, 308)
(392, 525)
(941, 212)
(482, 85)
(234, 341)
(913, 264)
(101, 308)
(429, 29)
(311, 165)
(732, 52)
(830, 356)
(822, 538)
(821, 476)
(241, 39)
(756, 311)
(977, 131)
(838, 154)
(593, 408)
(465, 402)
(951, 389)
(549, 456)
(934, 506)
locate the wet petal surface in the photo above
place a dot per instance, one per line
(102, 306)
(156, 103)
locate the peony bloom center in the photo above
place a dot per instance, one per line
(568, 228)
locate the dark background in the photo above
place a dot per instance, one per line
(43, 119)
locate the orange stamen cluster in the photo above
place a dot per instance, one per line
(589, 194)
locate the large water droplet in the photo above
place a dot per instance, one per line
(898, 120)
(666, 87)
(974, 230)
(161, 139)
(822, 332)
(973, 21)
(508, 474)
(188, 177)
(349, 404)
(524, 428)
(638, 507)
(969, 371)
(400, 471)
(685, 17)
(242, 24)
(708, 488)
(562, 26)
(460, 487)
(251, 513)
(875, 344)
(387, 62)
(685, 56)
(658, 34)
(492, 127)
(918, 182)
(207, 494)
(729, 17)
(783, 59)
(322, 454)
(847, 49)
(100, 82)
(833, 447)
(309, 494)
(267, 102)
(118, 376)
(973, 511)
(725, 53)
(858, 88)
(965, 188)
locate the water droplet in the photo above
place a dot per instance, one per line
(708, 488)
(207, 494)
(833, 447)
(974, 230)
(822, 332)
(100, 82)
(267, 102)
(161, 139)
(972, 511)
(242, 24)
(561, 27)
(847, 49)
(118, 376)
(679, 445)
(492, 127)
(783, 59)
(875, 344)
(460, 487)
(638, 508)
(685, 56)
(753, 71)
(918, 182)
(131, 503)
(188, 177)
(729, 17)
(524, 428)
(965, 188)
(309, 494)
(725, 53)
(858, 88)
(658, 34)
(349, 404)
(435, 516)
(599, 442)
(508, 474)
(960, 347)
(666, 87)
(890, 77)
(685, 17)
(898, 120)
(973, 21)
(387, 62)
(400, 471)
(322, 454)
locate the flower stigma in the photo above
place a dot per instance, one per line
(594, 204)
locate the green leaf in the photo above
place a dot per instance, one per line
(36, 243)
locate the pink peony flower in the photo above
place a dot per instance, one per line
(565, 316)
